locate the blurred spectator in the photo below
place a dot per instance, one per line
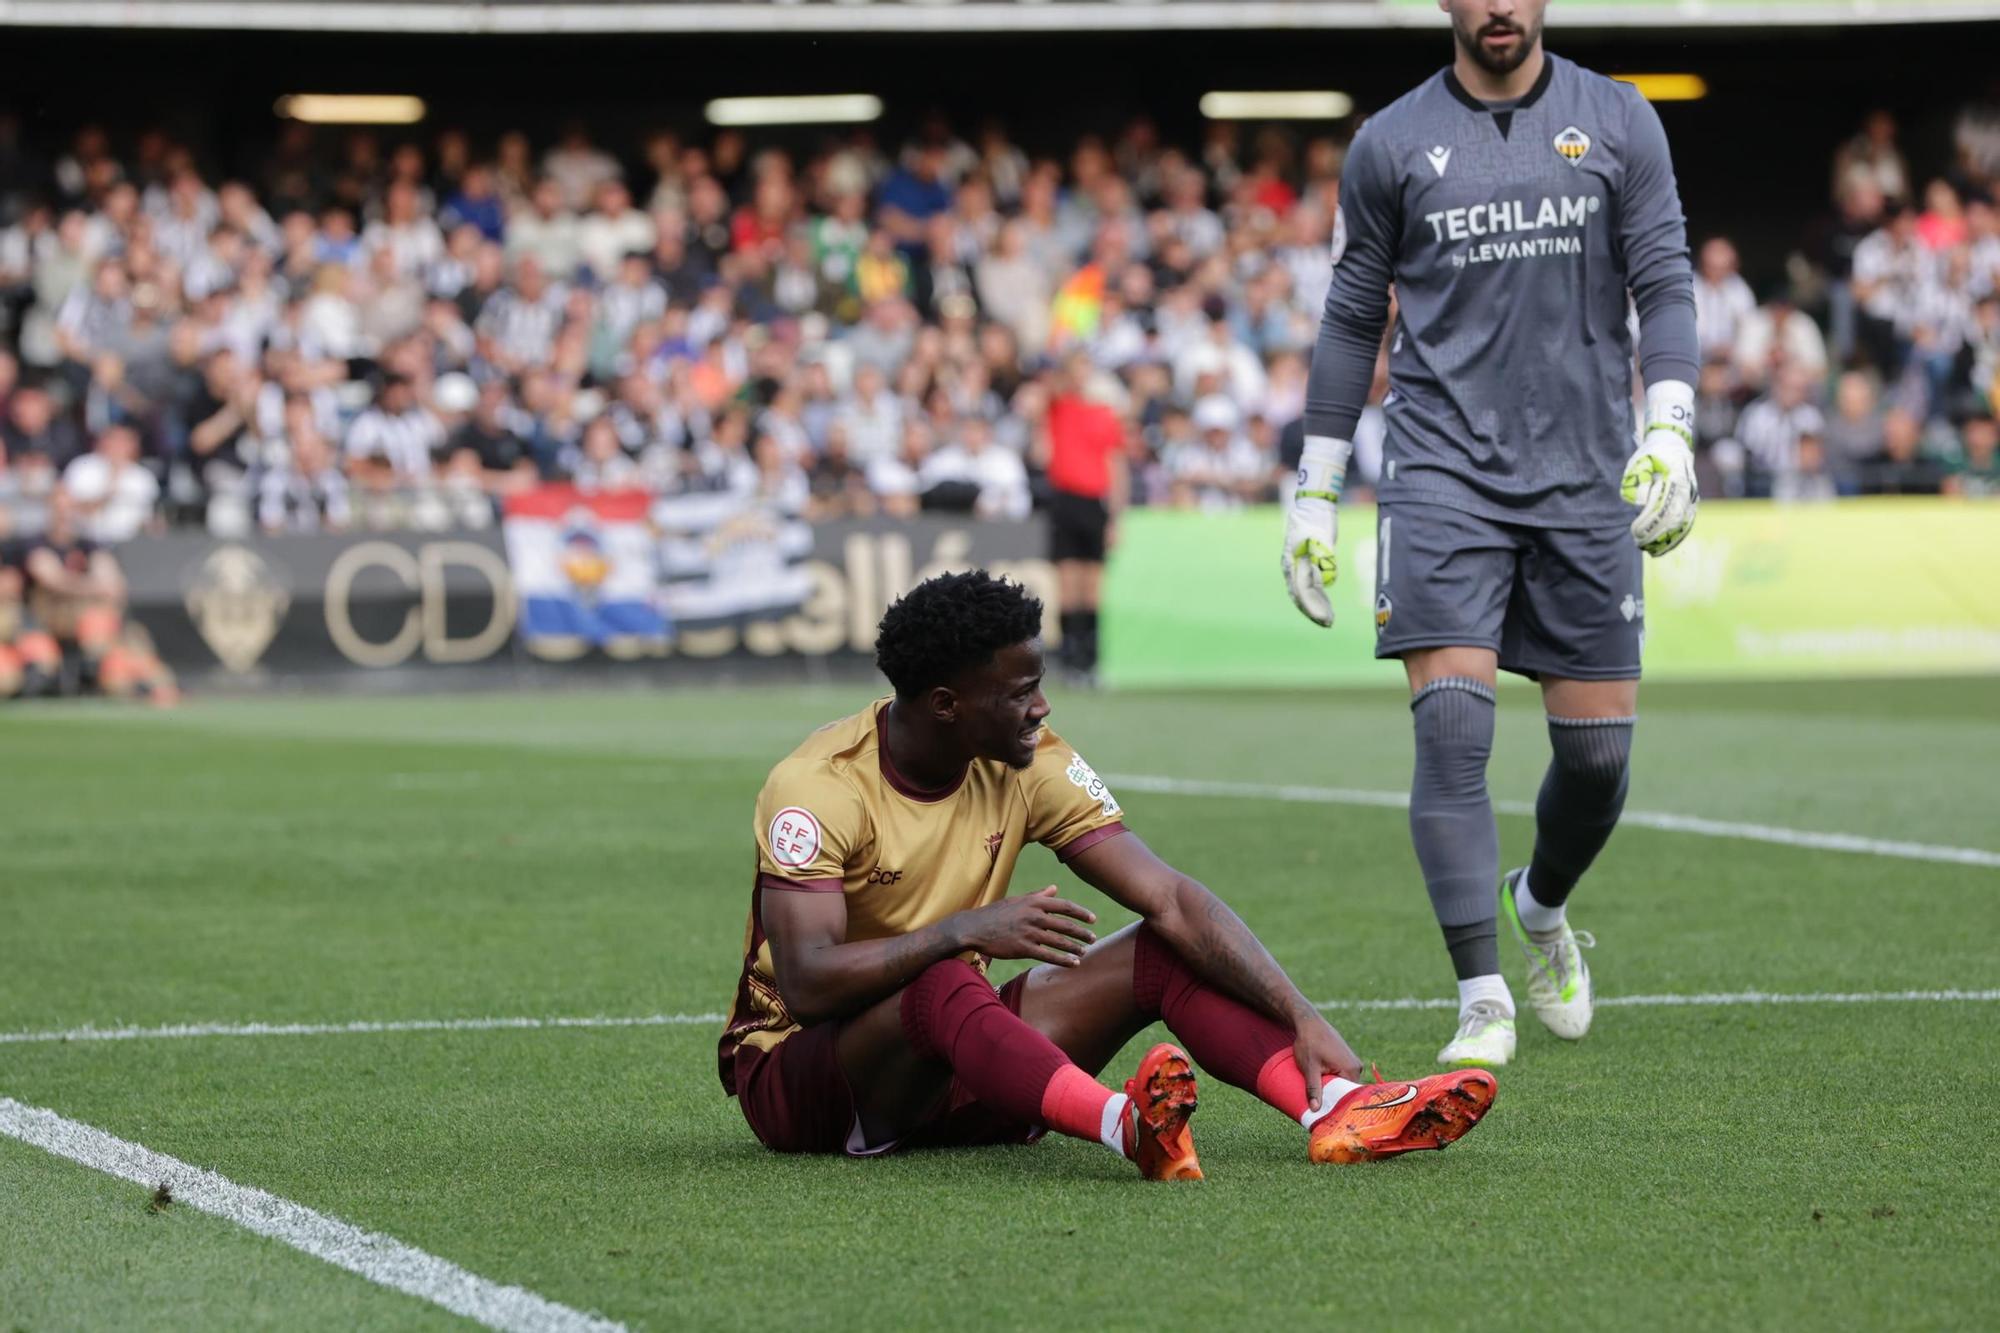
(598, 463)
(37, 441)
(873, 419)
(1890, 269)
(1776, 336)
(1769, 434)
(411, 239)
(838, 487)
(1942, 224)
(114, 495)
(1975, 472)
(613, 230)
(995, 479)
(911, 197)
(1808, 476)
(1903, 468)
(546, 230)
(578, 167)
(476, 204)
(1854, 435)
(301, 489)
(1722, 299)
(1873, 156)
(1858, 212)
(390, 444)
(1220, 468)
(485, 448)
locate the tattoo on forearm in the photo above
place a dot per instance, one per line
(1225, 952)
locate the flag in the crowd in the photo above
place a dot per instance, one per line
(586, 571)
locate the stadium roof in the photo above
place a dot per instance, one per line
(502, 17)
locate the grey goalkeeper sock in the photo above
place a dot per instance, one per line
(1582, 795)
(1451, 818)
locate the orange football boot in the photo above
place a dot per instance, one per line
(1387, 1119)
(1157, 1136)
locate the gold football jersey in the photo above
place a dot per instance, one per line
(835, 817)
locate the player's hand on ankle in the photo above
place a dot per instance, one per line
(1039, 926)
(1312, 528)
(1321, 1053)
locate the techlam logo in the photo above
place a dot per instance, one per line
(1512, 217)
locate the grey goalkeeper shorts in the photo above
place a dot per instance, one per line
(1550, 601)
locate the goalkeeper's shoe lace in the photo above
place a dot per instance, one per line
(1485, 1037)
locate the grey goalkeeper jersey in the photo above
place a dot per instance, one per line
(1512, 236)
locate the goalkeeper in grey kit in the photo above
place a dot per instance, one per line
(1517, 202)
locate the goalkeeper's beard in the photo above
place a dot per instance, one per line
(1468, 42)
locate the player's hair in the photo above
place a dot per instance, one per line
(949, 624)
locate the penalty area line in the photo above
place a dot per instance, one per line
(382, 1260)
(1810, 839)
(174, 1031)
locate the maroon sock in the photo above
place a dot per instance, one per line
(952, 1013)
(1226, 1037)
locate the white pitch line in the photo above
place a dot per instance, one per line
(1653, 819)
(360, 1027)
(383, 1260)
(1712, 999)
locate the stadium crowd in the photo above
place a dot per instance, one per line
(378, 334)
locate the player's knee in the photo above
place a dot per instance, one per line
(1594, 751)
(39, 649)
(97, 627)
(941, 991)
(1454, 726)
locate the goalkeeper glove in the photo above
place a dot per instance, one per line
(1659, 479)
(1312, 527)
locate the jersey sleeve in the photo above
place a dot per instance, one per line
(1367, 237)
(1069, 807)
(1653, 236)
(808, 822)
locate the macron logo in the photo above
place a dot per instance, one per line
(1439, 157)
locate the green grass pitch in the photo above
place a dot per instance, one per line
(326, 860)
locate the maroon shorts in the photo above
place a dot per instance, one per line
(797, 1100)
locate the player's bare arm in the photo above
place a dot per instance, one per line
(1206, 931)
(49, 572)
(824, 975)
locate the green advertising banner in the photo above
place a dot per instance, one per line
(1760, 591)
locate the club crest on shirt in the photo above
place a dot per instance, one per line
(1572, 145)
(1084, 776)
(794, 837)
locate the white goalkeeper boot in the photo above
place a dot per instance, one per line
(1558, 978)
(1485, 1038)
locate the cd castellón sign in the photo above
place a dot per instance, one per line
(385, 608)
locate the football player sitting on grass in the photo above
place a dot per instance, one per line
(864, 1020)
